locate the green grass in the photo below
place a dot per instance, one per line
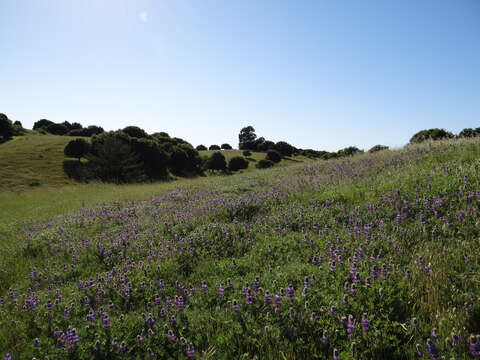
(33, 161)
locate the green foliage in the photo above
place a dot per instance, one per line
(246, 138)
(214, 147)
(469, 132)
(43, 123)
(153, 157)
(431, 134)
(201, 148)
(237, 163)
(56, 129)
(284, 148)
(349, 151)
(265, 145)
(247, 153)
(226, 146)
(216, 162)
(135, 132)
(264, 164)
(114, 161)
(273, 156)
(378, 148)
(6, 128)
(77, 148)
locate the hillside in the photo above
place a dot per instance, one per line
(372, 257)
(31, 161)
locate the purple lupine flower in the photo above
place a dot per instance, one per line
(277, 302)
(384, 271)
(267, 298)
(171, 336)
(365, 323)
(325, 339)
(111, 306)
(433, 350)
(173, 320)
(106, 322)
(180, 303)
(374, 272)
(71, 337)
(168, 303)
(256, 284)
(245, 288)
(190, 351)
(235, 306)
(140, 339)
(427, 269)
(150, 320)
(290, 291)
(418, 347)
(456, 340)
(221, 291)
(345, 299)
(474, 346)
(249, 298)
(7, 356)
(350, 326)
(304, 292)
(434, 333)
(37, 343)
(122, 347)
(204, 287)
(91, 317)
(157, 299)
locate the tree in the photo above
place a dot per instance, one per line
(273, 156)
(349, 151)
(94, 130)
(214, 147)
(430, 134)
(114, 161)
(266, 145)
(247, 153)
(201, 148)
(154, 158)
(378, 148)
(77, 148)
(226, 146)
(42, 124)
(135, 131)
(6, 128)
(237, 163)
(284, 148)
(246, 138)
(216, 162)
(56, 129)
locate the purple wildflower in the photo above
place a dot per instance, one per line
(235, 306)
(433, 350)
(365, 323)
(474, 346)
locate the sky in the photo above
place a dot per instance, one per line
(315, 73)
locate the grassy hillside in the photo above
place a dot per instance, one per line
(31, 161)
(364, 257)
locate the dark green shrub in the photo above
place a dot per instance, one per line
(135, 132)
(285, 148)
(201, 148)
(469, 132)
(237, 163)
(214, 147)
(349, 151)
(430, 134)
(264, 164)
(6, 128)
(42, 124)
(273, 156)
(77, 148)
(216, 162)
(266, 145)
(56, 129)
(247, 153)
(226, 146)
(154, 158)
(378, 148)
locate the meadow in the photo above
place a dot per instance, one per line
(373, 256)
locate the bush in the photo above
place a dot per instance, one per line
(115, 161)
(237, 163)
(378, 148)
(135, 132)
(247, 153)
(6, 128)
(216, 162)
(469, 132)
(285, 148)
(42, 124)
(266, 145)
(201, 148)
(56, 129)
(77, 148)
(430, 134)
(226, 147)
(154, 158)
(349, 151)
(264, 164)
(214, 147)
(273, 156)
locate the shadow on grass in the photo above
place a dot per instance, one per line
(75, 170)
(251, 159)
(290, 159)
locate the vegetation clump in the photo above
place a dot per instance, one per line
(237, 163)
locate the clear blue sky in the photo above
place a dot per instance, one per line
(318, 74)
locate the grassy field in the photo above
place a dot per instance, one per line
(369, 257)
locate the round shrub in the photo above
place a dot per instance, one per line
(42, 124)
(77, 148)
(216, 162)
(214, 147)
(273, 156)
(6, 128)
(135, 131)
(431, 134)
(264, 164)
(226, 146)
(56, 129)
(237, 163)
(247, 153)
(201, 148)
(378, 148)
